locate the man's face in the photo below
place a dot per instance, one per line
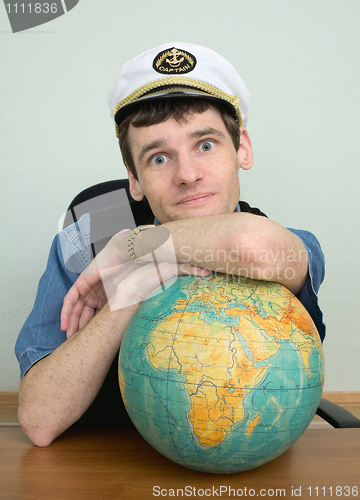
(188, 169)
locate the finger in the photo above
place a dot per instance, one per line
(69, 300)
(73, 324)
(64, 321)
(86, 315)
(79, 317)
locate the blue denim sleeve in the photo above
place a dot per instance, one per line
(41, 333)
(308, 294)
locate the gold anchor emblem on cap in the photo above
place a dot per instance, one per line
(174, 61)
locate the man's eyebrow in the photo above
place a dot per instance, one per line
(197, 134)
(148, 147)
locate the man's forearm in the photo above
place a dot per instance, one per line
(242, 244)
(59, 388)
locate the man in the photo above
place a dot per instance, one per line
(180, 113)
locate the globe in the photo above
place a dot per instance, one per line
(221, 374)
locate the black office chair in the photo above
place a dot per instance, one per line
(114, 208)
(335, 415)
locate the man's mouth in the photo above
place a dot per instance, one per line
(195, 198)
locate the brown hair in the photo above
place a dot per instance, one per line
(157, 111)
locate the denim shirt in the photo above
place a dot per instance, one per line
(41, 332)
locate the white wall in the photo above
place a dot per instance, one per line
(300, 60)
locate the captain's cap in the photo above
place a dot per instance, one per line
(178, 69)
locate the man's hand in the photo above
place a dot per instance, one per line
(113, 277)
(91, 290)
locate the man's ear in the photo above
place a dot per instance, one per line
(134, 185)
(245, 152)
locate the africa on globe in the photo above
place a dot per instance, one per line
(221, 374)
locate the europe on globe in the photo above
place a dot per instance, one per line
(221, 374)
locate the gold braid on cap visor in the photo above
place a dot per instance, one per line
(185, 84)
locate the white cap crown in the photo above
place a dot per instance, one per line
(175, 68)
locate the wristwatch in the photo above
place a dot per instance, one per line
(131, 239)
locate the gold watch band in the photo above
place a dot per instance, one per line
(131, 239)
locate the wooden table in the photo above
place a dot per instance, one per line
(120, 464)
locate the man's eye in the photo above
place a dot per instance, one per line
(159, 159)
(206, 145)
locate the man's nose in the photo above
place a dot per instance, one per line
(188, 170)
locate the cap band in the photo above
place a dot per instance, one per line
(179, 81)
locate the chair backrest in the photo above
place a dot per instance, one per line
(111, 208)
